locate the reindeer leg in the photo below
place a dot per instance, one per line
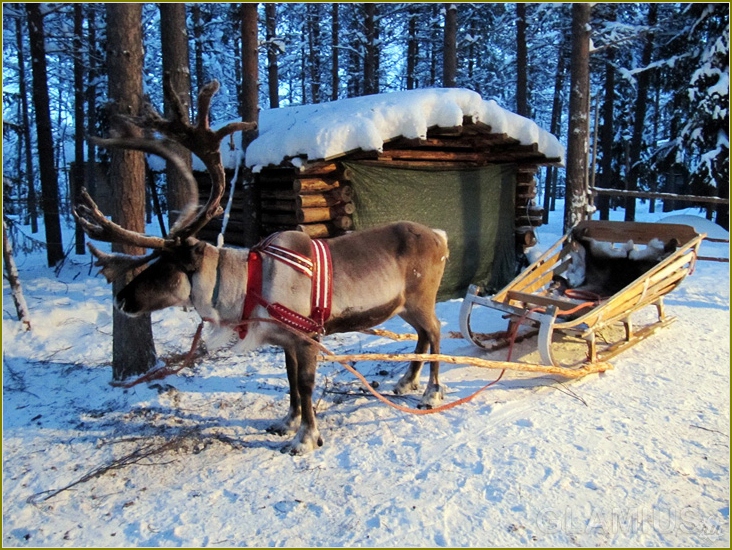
(428, 337)
(435, 392)
(291, 422)
(410, 380)
(308, 436)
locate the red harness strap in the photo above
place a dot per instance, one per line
(319, 269)
(322, 292)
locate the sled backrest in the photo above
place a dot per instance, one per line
(638, 232)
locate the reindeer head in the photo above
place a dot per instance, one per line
(166, 282)
(165, 279)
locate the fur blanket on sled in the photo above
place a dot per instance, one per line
(599, 267)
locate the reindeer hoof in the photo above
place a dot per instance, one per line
(287, 426)
(405, 386)
(303, 443)
(432, 397)
(282, 428)
(277, 429)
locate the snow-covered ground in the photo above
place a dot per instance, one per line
(637, 456)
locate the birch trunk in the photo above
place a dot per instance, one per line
(16, 289)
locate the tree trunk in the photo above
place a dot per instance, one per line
(449, 62)
(435, 41)
(335, 48)
(91, 102)
(26, 132)
(412, 48)
(606, 135)
(270, 11)
(133, 349)
(355, 68)
(234, 14)
(653, 176)
(250, 112)
(42, 105)
(639, 120)
(198, 41)
(472, 49)
(78, 182)
(303, 70)
(174, 42)
(522, 79)
(576, 192)
(313, 15)
(16, 289)
(369, 62)
(552, 172)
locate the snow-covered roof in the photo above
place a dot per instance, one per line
(327, 130)
(321, 131)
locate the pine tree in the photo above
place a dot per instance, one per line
(706, 133)
(174, 46)
(44, 130)
(26, 128)
(273, 49)
(133, 349)
(576, 193)
(449, 63)
(250, 109)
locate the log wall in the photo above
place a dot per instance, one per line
(317, 200)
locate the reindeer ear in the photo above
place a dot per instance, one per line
(191, 257)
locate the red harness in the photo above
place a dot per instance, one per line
(319, 269)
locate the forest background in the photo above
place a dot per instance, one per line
(659, 82)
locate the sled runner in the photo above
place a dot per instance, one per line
(538, 300)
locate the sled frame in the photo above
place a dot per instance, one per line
(526, 299)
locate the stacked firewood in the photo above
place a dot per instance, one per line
(317, 200)
(528, 214)
(525, 184)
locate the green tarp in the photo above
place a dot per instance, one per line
(475, 208)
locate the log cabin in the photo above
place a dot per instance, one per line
(442, 157)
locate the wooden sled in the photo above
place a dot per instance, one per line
(528, 300)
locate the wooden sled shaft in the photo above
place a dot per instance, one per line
(473, 361)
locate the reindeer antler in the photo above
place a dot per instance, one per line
(98, 227)
(115, 265)
(200, 139)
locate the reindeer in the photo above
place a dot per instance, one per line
(376, 274)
